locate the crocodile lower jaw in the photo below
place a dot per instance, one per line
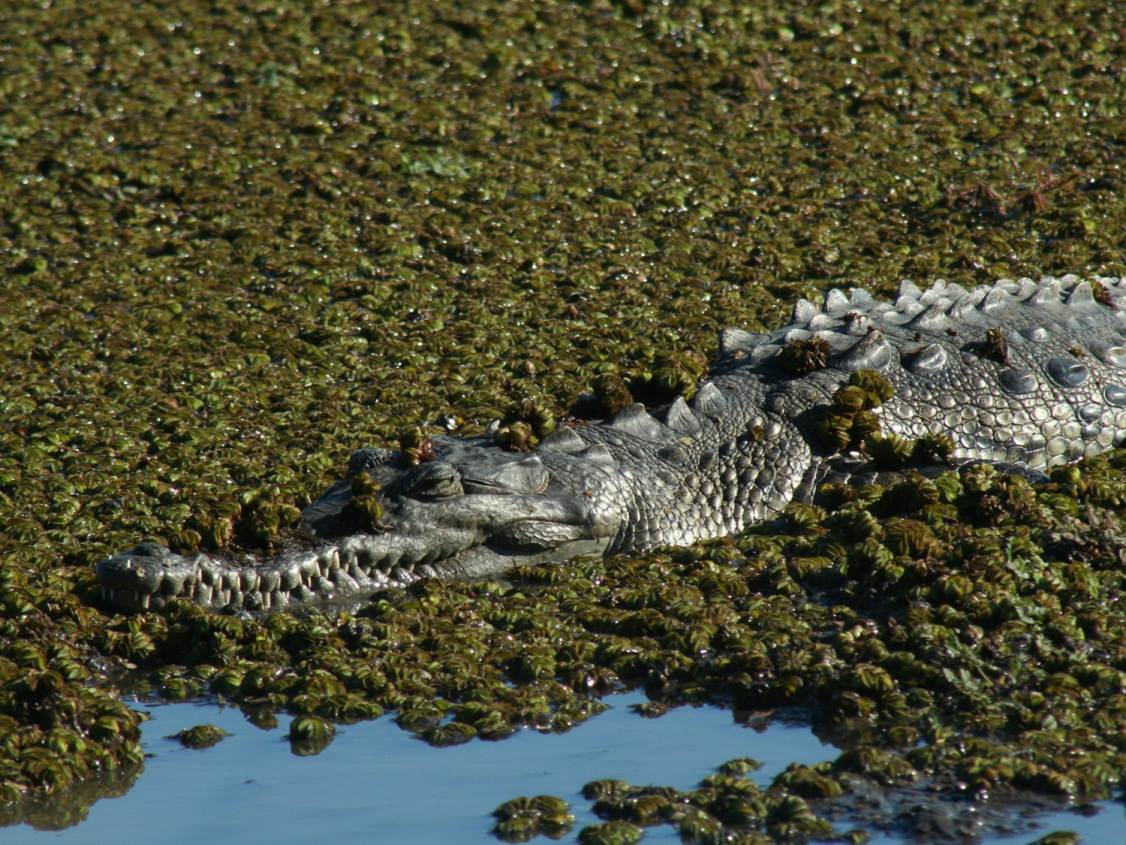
(344, 570)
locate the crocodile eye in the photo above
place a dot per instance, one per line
(430, 481)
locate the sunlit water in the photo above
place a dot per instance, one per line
(376, 784)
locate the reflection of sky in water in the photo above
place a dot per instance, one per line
(376, 784)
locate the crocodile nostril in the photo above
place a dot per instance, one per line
(434, 480)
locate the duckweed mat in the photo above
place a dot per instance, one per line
(241, 239)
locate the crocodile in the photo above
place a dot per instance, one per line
(1029, 373)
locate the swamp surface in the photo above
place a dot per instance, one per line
(241, 238)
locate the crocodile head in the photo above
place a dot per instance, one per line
(472, 511)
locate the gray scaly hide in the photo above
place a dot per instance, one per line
(739, 451)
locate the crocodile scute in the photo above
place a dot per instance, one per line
(1030, 373)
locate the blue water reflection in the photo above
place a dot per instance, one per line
(376, 784)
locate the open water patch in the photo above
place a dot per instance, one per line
(375, 783)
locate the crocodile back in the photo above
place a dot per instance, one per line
(1025, 371)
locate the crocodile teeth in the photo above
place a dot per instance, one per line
(172, 584)
(344, 581)
(362, 560)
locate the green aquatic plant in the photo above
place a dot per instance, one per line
(222, 274)
(201, 736)
(522, 819)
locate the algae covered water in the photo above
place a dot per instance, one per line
(239, 240)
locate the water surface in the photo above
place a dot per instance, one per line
(376, 783)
